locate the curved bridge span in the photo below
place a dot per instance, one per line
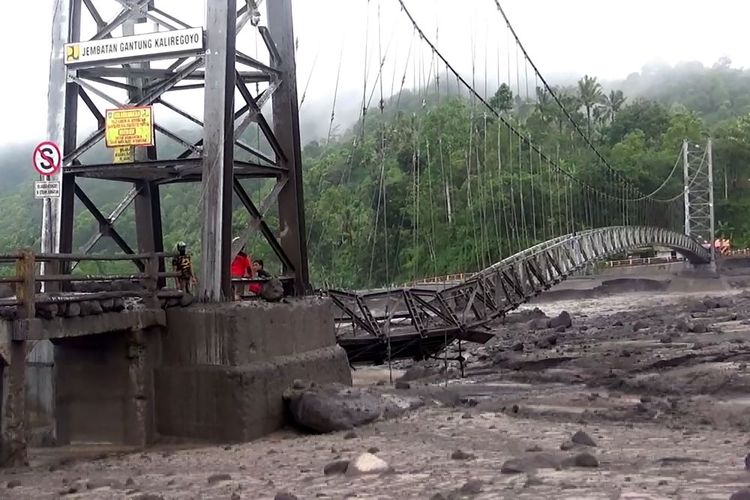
(418, 322)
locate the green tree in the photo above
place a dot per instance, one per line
(590, 94)
(502, 101)
(611, 105)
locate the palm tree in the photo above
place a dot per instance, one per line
(590, 93)
(612, 104)
(544, 104)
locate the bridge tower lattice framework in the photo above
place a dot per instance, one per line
(222, 71)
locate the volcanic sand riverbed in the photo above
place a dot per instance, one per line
(659, 381)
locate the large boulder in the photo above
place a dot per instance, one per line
(562, 320)
(336, 407)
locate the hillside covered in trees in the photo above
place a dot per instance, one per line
(426, 184)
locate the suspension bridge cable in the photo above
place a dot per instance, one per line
(335, 93)
(553, 94)
(520, 136)
(690, 183)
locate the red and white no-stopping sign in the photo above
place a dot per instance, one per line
(47, 158)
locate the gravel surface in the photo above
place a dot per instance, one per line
(644, 396)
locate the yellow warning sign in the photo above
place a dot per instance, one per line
(124, 154)
(129, 127)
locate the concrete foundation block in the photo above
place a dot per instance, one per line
(225, 366)
(105, 389)
(238, 403)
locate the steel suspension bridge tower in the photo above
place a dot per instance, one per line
(152, 54)
(699, 194)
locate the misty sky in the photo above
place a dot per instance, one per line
(604, 38)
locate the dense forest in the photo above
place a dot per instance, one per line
(430, 182)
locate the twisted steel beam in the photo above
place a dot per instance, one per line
(420, 321)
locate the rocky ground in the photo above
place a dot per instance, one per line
(631, 396)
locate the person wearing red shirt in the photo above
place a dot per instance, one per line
(242, 267)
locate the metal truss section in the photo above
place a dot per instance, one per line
(217, 71)
(421, 321)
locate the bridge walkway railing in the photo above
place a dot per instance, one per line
(35, 289)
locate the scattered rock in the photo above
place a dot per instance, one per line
(699, 327)
(401, 384)
(681, 460)
(747, 461)
(547, 341)
(273, 290)
(218, 478)
(517, 347)
(513, 466)
(438, 496)
(13, 483)
(582, 460)
(367, 463)
(683, 325)
(336, 467)
(351, 435)
(148, 496)
(563, 319)
(532, 480)
(373, 449)
(100, 483)
(461, 455)
(698, 307)
(567, 445)
(740, 495)
(283, 495)
(129, 482)
(534, 448)
(539, 324)
(640, 325)
(530, 463)
(581, 437)
(472, 487)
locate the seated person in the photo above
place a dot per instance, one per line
(242, 267)
(260, 273)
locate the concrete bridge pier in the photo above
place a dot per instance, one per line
(213, 372)
(13, 419)
(104, 387)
